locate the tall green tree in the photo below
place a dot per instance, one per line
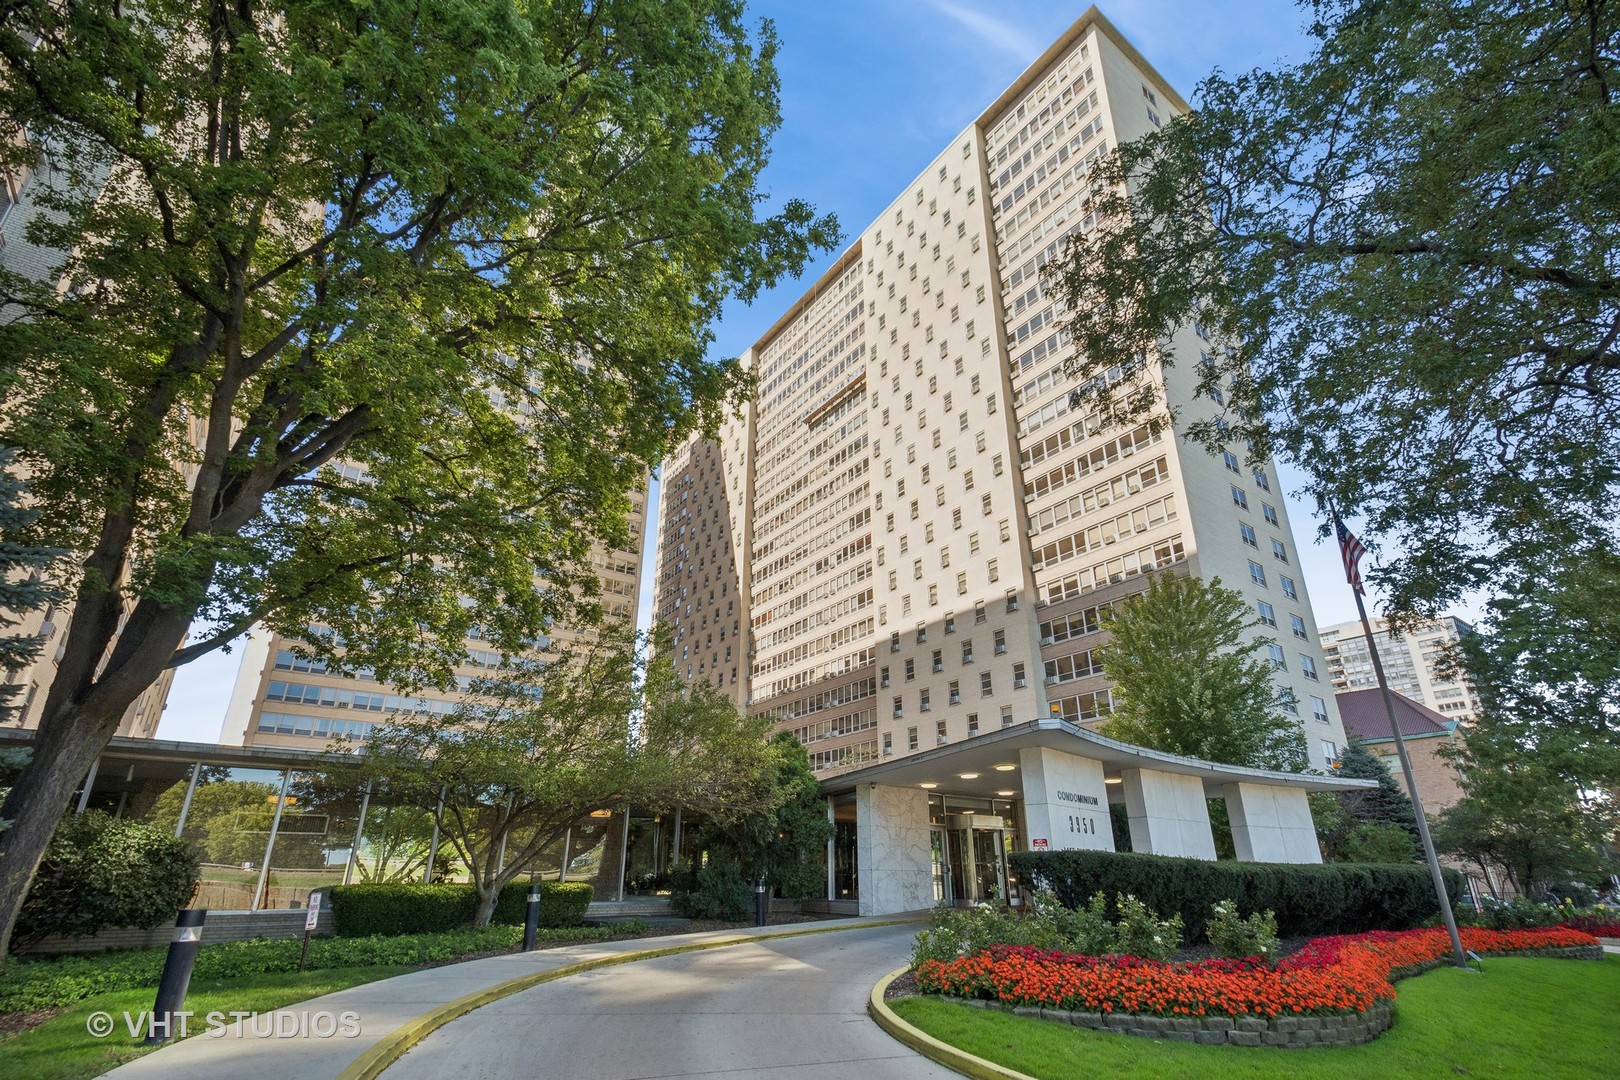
(1546, 664)
(473, 249)
(783, 843)
(538, 746)
(1405, 254)
(1188, 680)
(26, 582)
(1370, 825)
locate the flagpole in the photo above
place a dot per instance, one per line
(1406, 769)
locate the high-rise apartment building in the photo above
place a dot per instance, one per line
(1416, 664)
(21, 204)
(911, 536)
(281, 699)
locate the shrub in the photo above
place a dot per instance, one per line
(1084, 930)
(1334, 898)
(411, 908)
(102, 871)
(1143, 934)
(1520, 913)
(1238, 938)
(715, 890)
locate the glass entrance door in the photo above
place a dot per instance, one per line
(940, 852)
(989, 866)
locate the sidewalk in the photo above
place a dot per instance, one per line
(384, 1007)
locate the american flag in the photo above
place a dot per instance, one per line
(1351, 550)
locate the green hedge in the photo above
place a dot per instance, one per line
(409, 908)
(1310, 900)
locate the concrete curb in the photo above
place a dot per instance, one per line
(925, 1044)
(389, 1049)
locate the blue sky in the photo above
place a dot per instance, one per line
(871, 91)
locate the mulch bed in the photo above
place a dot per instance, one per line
(18, 1022)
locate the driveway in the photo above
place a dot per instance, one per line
(781, 1010)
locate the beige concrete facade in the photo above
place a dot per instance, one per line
(929, 531)
(20, 207)
(1414, 664)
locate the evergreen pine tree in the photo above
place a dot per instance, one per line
(1386, 804)
(23, 586)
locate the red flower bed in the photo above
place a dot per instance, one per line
(1329, 975)
(1593, 925)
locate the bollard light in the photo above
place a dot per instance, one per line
(531, 919)
(762, 903)
(176, 976)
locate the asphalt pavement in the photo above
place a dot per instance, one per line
(783, 1009)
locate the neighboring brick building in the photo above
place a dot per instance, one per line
(1425, 732)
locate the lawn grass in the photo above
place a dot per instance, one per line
(61, 1048)
(1548, 1019)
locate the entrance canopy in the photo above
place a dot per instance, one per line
(989, 754)
(919, 819)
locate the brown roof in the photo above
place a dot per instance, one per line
(1364, 717)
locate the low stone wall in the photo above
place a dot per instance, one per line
(1340, 1029)
(1345, 1029)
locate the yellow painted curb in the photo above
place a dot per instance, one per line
(929, 1047)
(387, 1050)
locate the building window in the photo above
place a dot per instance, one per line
(1261, 481)
(1330, 751)
(888, 742)
(1308, 667)
(1247, 535)
(1278, 551)
(899, 711)
(922, 633)
(1001, 642)
(1288, 586)
(911, 670)
(1019, 678)
(1006, 716)
(978, 611)
(1257, 573)
(961, 583)
(973, 723)
(955, 693)
(950, 622)
(1231, 462)
(1319, 709)
(1298, 625)
(1240, 497)
(967, 650)
(1287, 702)
(1270, 513)
(994, 569)
(1268, 614)
(986, 688)
(923, 701)
(1279, 661)
(911, 738)
(939, 660)
(894, 641)
(883, 678)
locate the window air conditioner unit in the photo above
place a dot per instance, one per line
(1046, 640)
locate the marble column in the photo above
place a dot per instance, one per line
(1168, 814)
(1271, 824)
(1065, 801)
(894, 865)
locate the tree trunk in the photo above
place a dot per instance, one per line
(489, 893)
(63, 751)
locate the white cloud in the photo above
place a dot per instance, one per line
(996, 32)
